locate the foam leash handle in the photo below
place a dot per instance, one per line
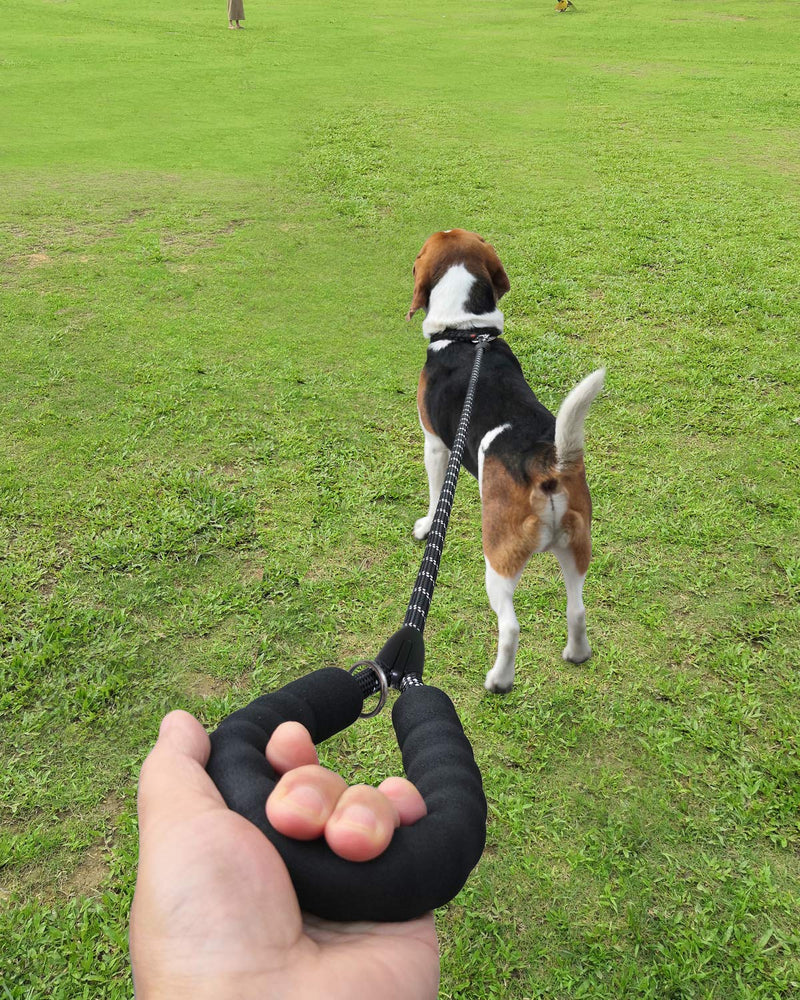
(426, 864)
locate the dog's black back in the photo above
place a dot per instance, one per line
(501, 396)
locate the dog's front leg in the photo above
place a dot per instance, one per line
(437, 455)
(501, 597)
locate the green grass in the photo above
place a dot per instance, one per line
(210, 460)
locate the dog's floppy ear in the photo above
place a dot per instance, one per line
(497, 272)
(422, 286)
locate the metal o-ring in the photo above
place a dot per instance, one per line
(381, 680)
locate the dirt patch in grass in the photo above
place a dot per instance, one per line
(200, 685)
(709, 16)
(778, 165)
(37, 259)
(134, 215)
(188, 243)
(85, 879)
(90, 874)
(67, 871)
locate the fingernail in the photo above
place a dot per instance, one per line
(307, 801)
(360, 818)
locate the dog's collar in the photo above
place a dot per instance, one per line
(484, 333)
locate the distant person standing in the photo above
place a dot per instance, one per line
(235, 13)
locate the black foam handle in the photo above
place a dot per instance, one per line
(427, 863)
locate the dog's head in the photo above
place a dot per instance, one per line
(456, 246)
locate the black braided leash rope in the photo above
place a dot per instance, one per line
(422, 594)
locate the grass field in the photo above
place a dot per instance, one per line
(210, 460)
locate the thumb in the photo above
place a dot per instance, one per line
(181, 734)
(173, 783)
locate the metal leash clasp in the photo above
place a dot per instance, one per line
(483, 338)
(382, 682)
(399, 665)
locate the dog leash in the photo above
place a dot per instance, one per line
(428, 863)
(422, 594)
(399, 664)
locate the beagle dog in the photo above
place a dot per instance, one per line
(528, 463)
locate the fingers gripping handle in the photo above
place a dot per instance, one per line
(426, 864)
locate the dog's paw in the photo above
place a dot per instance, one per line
(422, 527)
(578, 654)
(496, 686)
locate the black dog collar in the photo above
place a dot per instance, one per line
(485, 333)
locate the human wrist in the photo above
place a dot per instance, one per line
(211, 987)
(191, 989)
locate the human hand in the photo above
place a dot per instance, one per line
(215, 913)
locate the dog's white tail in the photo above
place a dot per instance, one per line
(571, 415)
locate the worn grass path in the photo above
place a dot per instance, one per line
(210, 460)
